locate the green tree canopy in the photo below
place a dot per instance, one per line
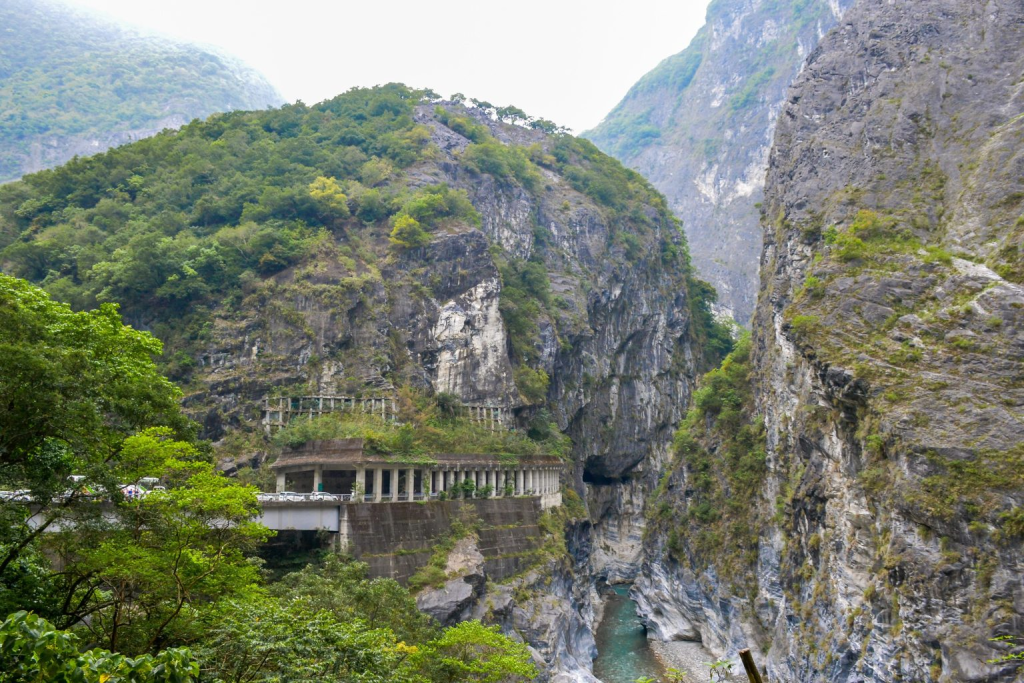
(135, 578)
(73, 388)
(472, 652)
(33, 651)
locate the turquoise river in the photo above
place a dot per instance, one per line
(624, 655)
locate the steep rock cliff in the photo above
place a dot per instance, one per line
(616, 339)
(390, 239)
(699, 127)
(886, 367)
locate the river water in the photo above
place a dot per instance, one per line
(624, 654)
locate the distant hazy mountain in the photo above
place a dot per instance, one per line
(73, 84)
(699, 127)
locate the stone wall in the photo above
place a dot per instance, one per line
(398, 538)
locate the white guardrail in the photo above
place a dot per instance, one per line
(321, 497)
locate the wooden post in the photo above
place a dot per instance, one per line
(748, 664)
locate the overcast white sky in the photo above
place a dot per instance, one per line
(565, 60)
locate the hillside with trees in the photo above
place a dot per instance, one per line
(74, 84)
(101, 584)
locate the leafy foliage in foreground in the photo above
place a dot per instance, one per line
(33, 651)
(74, 389)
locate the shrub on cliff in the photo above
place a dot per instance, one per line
(720, 455)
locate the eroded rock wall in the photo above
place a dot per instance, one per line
(887, 364)
(700, 126)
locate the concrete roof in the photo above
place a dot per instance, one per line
(349, 454)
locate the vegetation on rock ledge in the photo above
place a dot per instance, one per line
(720, 456)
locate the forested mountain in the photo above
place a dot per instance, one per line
(287, 248)
(72, 84)
(388, 242)
(699, 127)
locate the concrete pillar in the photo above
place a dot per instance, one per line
(519, 482)
(492, 481)
(361, 481)
(394, 485)
(378, 484)
(318, 478)
(410, 484)
(441, 484)
(280, 482)
(499, 486)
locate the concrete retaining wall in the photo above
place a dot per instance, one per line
(399, 538)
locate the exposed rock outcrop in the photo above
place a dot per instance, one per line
(547, 607)
(700, 125)
(887, 370)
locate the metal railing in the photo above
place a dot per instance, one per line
(279, 411)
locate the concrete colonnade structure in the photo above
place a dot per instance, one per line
(341, 468)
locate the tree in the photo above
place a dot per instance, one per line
(376, 171)
(73, 387)
(407, 233)
(331, 202)
(261, 640)
(33, 651)
(343, 589)
(472, 652)
(532, 384)
(134, 579)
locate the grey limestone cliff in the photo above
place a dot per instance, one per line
(886, 366)
(699, 127)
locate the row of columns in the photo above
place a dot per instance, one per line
(536, 481)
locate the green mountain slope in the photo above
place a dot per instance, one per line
(380, 240)
(71, 84)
